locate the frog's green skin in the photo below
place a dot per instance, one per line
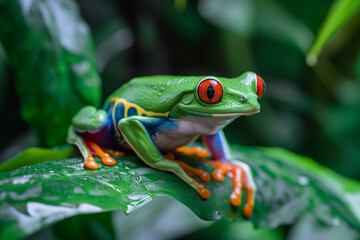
(156, 114)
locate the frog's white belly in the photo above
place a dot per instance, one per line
(187, 130)
(174, 133)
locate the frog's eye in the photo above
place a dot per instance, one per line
(260, 86)
(210, 91)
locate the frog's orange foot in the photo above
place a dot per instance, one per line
(193, 151)
(191, 171)
(240, 181)
(94, 149)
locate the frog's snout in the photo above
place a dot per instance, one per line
(250, 103)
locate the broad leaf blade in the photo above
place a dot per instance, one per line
(36, 196)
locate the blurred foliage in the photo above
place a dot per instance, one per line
(311, 111)
(222, 230)
(289, 186)
(50, 49)
(33, 156)
(3, 76)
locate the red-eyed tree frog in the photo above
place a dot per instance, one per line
(158, 114)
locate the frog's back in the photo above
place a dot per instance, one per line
(155, 93)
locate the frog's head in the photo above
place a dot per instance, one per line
(223, 97)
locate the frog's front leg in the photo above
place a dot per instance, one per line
(239, 172)
(89, 120)
(134, 130)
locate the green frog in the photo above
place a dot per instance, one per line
(156, 115)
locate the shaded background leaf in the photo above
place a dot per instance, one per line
(50, 48)
(32, 156)
(340, 13)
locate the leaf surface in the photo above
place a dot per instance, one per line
(33, 197)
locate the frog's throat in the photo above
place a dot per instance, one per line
(231, 114)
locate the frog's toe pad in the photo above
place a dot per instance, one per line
(204, 176)
(107, 160)
(235, 199)
(217, 175)
(204, 193)
(248, 210)
(91, 164)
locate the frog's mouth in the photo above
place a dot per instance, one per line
(234, 114)
(231, 114)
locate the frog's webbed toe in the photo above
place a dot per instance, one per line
(113, 153)
(185, 172)
(191, 171)
(97, 151)
(240, 180)
(193, 151)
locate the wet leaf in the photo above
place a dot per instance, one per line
(33, 197)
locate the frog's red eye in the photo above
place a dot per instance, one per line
(210, 91)
(260, 86)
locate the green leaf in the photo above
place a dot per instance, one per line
(180, 5)
(35, 155)
(340, 13)
(33, 197)
(51, 51)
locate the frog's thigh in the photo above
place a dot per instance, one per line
(136, 134)
(134, 131)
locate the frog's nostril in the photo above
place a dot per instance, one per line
(243, 99)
